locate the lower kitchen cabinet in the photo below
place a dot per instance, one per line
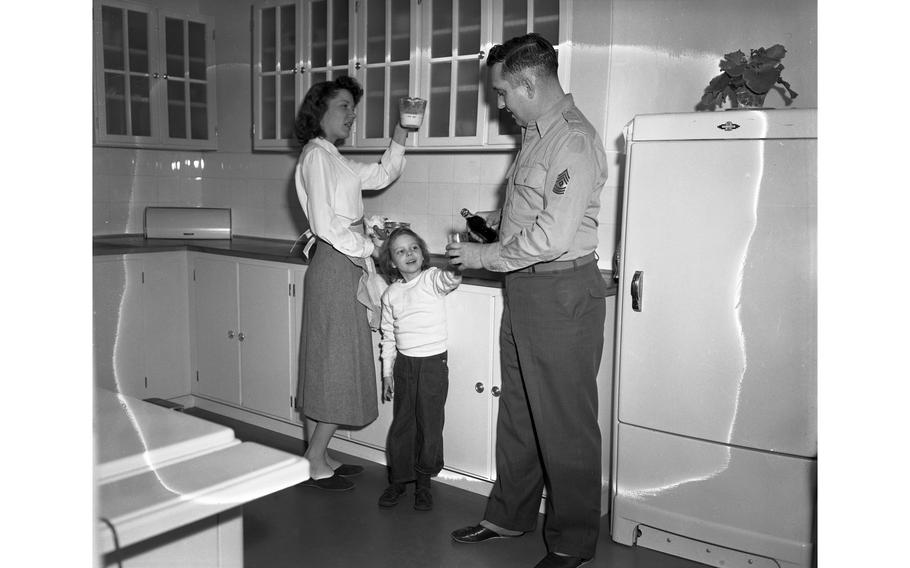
(140, 324)
(216, 327)
(474, 314)
(297, 276)
(244, 333)
(227, 330)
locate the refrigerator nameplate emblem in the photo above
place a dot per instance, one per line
(728, 126)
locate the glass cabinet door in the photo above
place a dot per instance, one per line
(386, 65)
(295, 45)
(188, 80)
(277, 74)
(327, 45)
(434, 49)
(512, 18)
(154, 77)
(124, 43)
(454, 38)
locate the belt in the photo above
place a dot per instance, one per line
(559, 265)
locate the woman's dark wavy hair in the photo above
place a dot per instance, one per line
(528, 52)
(316, 102)
(387, 267)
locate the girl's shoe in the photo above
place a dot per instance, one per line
(391, 495)
(423, 499)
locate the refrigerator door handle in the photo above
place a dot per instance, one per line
(637, 290)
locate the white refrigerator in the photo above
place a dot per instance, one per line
(714, 430)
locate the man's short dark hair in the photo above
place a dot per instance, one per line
(528, 52)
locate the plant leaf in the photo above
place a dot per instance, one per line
(707, 102)
(793, 94)
(733, 63)
(760, 80)
(776, 51)
(718, 84)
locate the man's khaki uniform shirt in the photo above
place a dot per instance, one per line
(552, 193)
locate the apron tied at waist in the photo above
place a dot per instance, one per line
(371, 285)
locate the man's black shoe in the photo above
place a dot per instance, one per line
(553, 560)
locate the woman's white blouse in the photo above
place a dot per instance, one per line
(329, 189)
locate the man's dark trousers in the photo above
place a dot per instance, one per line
(551, 342)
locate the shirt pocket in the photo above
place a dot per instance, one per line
(531, 176)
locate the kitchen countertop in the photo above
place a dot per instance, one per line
(159, 470)
(276, 250)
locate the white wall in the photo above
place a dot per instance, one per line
(628, 57)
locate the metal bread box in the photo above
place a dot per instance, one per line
(187, 223)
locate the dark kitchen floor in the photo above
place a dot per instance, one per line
(306, 527)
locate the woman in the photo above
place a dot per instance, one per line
(336, 380)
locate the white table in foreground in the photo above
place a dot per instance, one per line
(170, 486)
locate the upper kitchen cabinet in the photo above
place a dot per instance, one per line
(141, 324)
(455, 33)
(385, 64)
(295, 45)
(154, 77)
(433, 49)
(511, 18)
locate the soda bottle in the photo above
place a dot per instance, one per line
(479, 227)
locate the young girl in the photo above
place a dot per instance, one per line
(413, 352)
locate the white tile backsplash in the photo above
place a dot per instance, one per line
(259, 189)
(417, 169)
(168, 190)
(441, 197)
(442, 168)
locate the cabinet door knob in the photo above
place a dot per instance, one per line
(230, 334)
(480, 55)
(495, 391)
(240, 336)
(478, 387)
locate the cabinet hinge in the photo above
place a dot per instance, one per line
(293, 401)
(356, 7)
(146, 382)
(295, 289)
(197, 376)
(143, 276)
(289, 290)
(194, 275)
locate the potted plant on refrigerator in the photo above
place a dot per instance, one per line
(746, 81)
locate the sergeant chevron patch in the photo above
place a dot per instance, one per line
(562, 182)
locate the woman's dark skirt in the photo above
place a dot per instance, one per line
(337, 373)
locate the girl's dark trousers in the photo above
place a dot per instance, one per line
(414, 447)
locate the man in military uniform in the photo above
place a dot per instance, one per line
(553, 320)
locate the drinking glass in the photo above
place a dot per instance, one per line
(411, 110)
